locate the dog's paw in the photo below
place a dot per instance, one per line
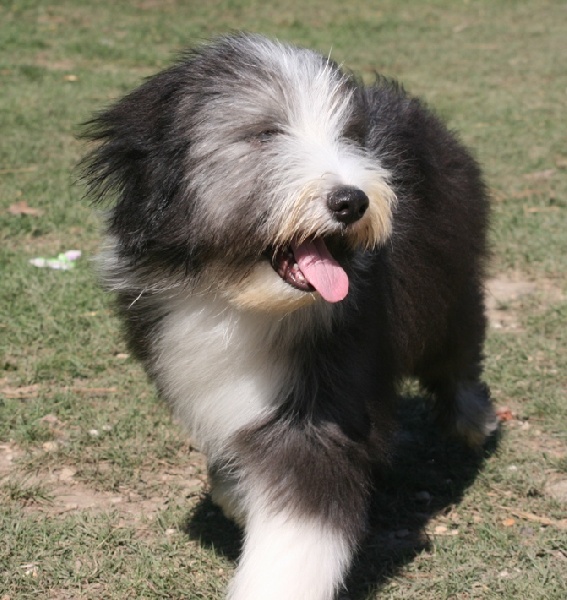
(474, 418)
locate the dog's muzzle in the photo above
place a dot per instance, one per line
(308, 265)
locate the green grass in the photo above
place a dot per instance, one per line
(100, 495)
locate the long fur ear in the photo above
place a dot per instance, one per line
(139, 159)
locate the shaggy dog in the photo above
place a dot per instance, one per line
(286, 246)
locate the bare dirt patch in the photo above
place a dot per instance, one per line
(502, 298)
(63, 492)
(8, 455)
(506, 294)
(43, 59)
(556, 488)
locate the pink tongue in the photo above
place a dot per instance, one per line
(321, 270)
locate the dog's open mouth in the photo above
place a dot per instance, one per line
(309, 266)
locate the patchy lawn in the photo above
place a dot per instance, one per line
(101, 495)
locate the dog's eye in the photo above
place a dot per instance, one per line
(267, 135)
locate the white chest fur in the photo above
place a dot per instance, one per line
(220, 368)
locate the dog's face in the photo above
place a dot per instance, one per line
(244, 169)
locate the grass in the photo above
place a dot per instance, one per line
(100, 496)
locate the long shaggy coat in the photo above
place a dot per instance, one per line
(286, 245)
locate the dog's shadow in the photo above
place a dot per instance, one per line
(428, 476)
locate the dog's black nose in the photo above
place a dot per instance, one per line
(348, 204)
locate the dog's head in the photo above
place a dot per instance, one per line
(242, 169)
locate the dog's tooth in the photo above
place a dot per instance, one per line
(298, 274)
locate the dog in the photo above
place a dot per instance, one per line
(286, 246)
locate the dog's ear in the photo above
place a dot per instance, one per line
(139, 158)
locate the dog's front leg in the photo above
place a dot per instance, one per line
(287, 557)
(306, 491)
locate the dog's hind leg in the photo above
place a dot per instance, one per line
(462, 404)
(464, 410)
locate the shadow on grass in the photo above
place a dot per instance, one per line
(429, 475)
(207, 524)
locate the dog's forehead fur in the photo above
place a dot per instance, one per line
(243, 86)
(268, 81)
